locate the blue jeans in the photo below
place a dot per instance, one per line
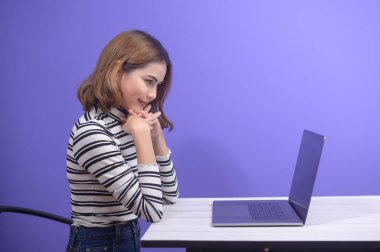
(116, 238)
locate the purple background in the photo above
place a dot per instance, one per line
(249, 76)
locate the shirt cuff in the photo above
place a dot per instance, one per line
(164, 157)
(147, 167)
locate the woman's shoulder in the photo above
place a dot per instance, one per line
(90, 120)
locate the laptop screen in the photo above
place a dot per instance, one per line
(306, 172)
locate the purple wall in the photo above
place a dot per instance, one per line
(249, 76)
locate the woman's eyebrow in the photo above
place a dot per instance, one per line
(154, 78)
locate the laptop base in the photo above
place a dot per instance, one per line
(243, 213)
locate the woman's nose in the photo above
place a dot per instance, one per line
(152, 94)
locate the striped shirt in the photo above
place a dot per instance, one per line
(107, 185)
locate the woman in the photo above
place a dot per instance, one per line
(118, 165)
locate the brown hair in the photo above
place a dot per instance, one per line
(128, 50)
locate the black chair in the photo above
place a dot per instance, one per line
(42, 214)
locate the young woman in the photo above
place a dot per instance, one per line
(118, 165)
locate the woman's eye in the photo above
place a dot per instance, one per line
(149, 82)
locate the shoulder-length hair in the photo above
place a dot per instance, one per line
(127, 51)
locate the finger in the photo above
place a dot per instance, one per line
(130, 111)
(143, 114)
(123, 119)
(156, 115)
(155, 121)
(147, 108)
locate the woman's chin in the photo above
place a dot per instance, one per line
(137, 109)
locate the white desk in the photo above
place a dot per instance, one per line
(332, 222)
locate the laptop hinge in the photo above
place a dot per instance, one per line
(295, 205)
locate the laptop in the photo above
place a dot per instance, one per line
(290, 212)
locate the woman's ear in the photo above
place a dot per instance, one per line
(117, 72)
(119, 65)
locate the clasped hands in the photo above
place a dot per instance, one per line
(142, 120)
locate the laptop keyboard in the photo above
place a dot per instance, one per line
(267, 210)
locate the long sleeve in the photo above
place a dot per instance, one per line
(95, 149)
(169, 181)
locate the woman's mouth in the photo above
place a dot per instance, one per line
(143, 104)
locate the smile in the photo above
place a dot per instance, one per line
(142, 103)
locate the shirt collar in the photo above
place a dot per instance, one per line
(116, 113)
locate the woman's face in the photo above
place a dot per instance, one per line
(139, 87)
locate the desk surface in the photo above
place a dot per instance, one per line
(331, 219)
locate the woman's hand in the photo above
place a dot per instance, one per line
(139, 128)
(134, 123)
(151, 119)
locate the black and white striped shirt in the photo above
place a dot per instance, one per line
(106, 183)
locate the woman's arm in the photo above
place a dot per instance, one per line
(168, 175)
(166, 168)
(143, 143)
(97, 152)
(169, 180)
(159, 145)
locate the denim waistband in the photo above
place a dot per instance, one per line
(109, 232)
